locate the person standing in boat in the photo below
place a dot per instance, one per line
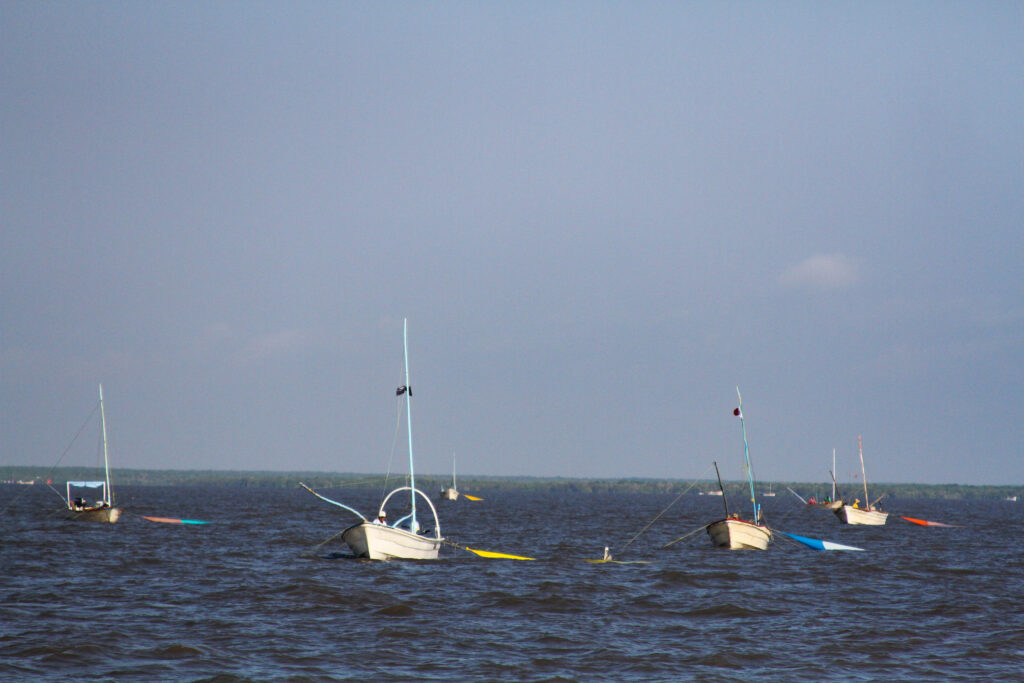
(382, 519)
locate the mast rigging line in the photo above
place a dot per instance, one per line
(660, 514)
(62, 455)
(394, 444)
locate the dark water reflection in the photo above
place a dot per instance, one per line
(254, 596)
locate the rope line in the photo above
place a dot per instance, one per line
(75, 438)
(328, 540)
(394, 444)
(660, 514)
(700, 528)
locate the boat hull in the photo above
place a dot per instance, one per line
(450, 494)
(848, 514)
(379, 542)
(108, 515)
(739, 534)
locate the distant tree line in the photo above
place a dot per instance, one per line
(428, 483)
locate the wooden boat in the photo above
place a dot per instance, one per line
(851, 514)
(102, 509)
(451, 493)
(854, 514)
(733, 532)
(739, 534)
(380, 539)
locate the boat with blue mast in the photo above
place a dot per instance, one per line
(735, 533)
(380, 539)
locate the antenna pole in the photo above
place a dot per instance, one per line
(413, 524)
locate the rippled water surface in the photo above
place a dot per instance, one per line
(259, 595)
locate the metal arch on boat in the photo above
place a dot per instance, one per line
(437, 522)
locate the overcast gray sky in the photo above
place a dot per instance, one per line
(599, 218)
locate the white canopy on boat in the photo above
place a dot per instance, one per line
(87, 484)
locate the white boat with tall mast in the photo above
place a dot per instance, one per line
(380, 539)
(451, 493)
(870, 514)
(732, 532)
(833, 502)
(102, 508)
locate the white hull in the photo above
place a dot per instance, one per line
(449, 494)
(738, 534)
(379, 542)
(848, 514)
(109, 515)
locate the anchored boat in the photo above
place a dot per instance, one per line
(733, 532)
(102, 508)
(381, 539)
(870, 514)
(451, 493)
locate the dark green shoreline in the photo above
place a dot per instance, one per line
(470, 483)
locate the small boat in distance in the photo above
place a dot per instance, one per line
(732, 532)
(453, 492)
(102, 508)
(870, 514)
(381, 539)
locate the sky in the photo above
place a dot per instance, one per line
(599, 218)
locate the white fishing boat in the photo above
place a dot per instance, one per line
(451, 493)
(732, 532)
(381, 539)
(101, 508)
(870, 514)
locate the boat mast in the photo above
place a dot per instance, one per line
(453, 473)
(833, 477)
(746, 453)
(721, 488)
(106, 459)
(413, 525)
(863, 475)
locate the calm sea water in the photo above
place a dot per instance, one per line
(258, 596)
